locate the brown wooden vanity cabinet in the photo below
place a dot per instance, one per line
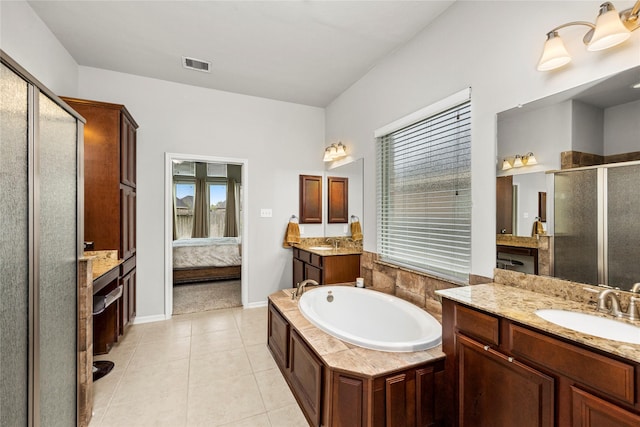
(324, 269)
(110, 192)
(406, 398)
(500, 373)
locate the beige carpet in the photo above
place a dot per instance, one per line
(193, 298)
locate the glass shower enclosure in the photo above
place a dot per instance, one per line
(597, 228)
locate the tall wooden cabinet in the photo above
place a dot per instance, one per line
(110, 191)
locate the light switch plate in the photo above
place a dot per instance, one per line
(266, 213)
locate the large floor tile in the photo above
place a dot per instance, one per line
(274, 389)
(212, 342)
(288, 416)
(213, 322)
(153, 383)
(165, 411)
(260, 357)
(156, 352)
(261, 420)
(218, 365)
(223, 401)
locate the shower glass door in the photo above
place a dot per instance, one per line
(623, 232)
(576, 226)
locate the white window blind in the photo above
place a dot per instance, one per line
(424, 194)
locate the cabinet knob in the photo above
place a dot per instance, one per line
(510, 359)
(486, 348)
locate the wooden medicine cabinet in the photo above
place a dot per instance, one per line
(338, 199)
(310, 199)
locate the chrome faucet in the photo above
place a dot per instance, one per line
(300, 289)
(613, 307)
(635, 288)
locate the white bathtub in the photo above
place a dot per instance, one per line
(370, 319)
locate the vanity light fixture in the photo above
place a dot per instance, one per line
(610, 30)
(334, 152)
(519, 161)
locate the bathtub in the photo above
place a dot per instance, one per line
(370, 319)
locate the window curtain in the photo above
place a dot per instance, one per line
(200, 211)
(231, 215)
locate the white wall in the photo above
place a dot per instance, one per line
(492, 47)
(587, 128)
(622, 128)
(26, 39)
(279, 140)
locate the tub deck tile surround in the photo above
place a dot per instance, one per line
(519, 305)
(347, 357)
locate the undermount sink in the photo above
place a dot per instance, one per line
(593, 325)
(321, 248)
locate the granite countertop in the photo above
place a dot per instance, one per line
(103, 262)
(518, 241)
(520, 305)
(343, 356)
(330, 252)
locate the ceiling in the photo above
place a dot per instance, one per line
(306, 52)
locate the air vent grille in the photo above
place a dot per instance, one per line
(196, 64)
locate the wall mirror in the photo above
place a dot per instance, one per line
(597, 120)
(353, 172)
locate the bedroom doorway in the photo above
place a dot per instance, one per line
(205, 258)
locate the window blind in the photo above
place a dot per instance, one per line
(424, 194)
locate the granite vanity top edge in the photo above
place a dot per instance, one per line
(330, 252)
(519, 305)
(103, 262)
(345, 357)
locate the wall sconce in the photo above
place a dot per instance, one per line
(335, 151)
(609, 30)
(519, 161)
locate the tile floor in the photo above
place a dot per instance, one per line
(203, 369)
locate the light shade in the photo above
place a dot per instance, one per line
(530, 159)
(609, 30)
(506, 165)
(554, 54)
(517, 162)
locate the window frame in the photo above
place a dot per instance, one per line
(387, 218)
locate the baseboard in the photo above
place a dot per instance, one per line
(255, 304)
(148, 319)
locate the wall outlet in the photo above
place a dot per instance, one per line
(301, 227)
(345, 229)
(266, 213)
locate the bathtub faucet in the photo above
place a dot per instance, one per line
(300, 289)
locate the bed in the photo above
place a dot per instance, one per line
(206, 259)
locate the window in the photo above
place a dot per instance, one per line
(217, 208)
(185, 194)
(424, 190)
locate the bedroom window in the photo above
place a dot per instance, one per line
(217, 208)
(424, 189)
(185, 193)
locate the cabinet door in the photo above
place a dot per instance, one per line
(127, 152)
(278, 337)
(298, 272)
(127, 221)
(590, 411)
(127, 307)
(310, 199)
(497, 391)
(306, 378)
(311, 272)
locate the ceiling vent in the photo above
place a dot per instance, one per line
(196, 64)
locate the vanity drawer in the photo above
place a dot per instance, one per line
(607, 375)
(481, 326)
(303, 256)
(316, 260)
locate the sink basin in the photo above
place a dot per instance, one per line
(593, 325)
(321, 248)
